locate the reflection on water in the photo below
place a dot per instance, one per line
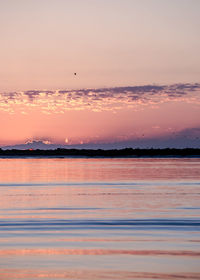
(99, 219)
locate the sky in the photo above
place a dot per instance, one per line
(137, 65)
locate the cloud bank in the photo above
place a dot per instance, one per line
(186, 138)
(101, 99)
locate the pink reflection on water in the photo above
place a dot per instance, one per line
(76, 169)
(139, 189)
(15, 274)
(49, 251)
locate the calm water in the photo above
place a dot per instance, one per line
(99, 219)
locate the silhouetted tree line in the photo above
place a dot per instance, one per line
(128, 152)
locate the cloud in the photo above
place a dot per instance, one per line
(38, 141)
(186, 138)
(100, 99)
(191, 133)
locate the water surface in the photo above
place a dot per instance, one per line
(99, 218)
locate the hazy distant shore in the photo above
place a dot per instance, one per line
(114, 153)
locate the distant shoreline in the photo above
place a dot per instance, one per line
(99, 153)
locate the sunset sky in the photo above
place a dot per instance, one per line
(137, 65)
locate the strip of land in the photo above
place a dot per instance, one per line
(114, 153)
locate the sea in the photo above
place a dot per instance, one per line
(99, 218)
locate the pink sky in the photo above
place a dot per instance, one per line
(137, 64)
(100, 115)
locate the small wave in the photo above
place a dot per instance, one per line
(144, 224)
(95, 183)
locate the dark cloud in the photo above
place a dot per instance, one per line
(32, 94)
(10, 95)
(191, 133)
(187, 138)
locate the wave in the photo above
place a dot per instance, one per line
(114, 224)
(121, 184)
